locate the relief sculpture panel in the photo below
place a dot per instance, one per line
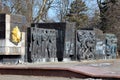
(43, 44)
(85, 46)
(111, 45)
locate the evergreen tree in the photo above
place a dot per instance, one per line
(110, 17)
(77, 13)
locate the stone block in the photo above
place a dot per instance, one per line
(2, 50)
(22, 50)
(7, 34)
(7, 23)
(61, 32)
(2, 34)
(11, 21)
(2, 26)
(17, 18)
(2, 17)
(69, 40)
(7, 26)
(2, 42)
(14, 50)
(20, 26)
(85, 44)
(7, 18)
(10, 44)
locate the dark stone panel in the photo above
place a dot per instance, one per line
(85, 47)
(2, 35)
(28, 56)
(2, 30)
(2, 26)
(60, 36)
(70, 41)
(42, 44)
(57, 26)
(86, 28)
(9, 59)
(65, 38)
(2, 17)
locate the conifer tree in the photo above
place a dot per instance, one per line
(77, 13)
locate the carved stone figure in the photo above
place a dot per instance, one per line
(111, 45)
(52, 45)
(43, 44)
(85, 44)
(100, 49)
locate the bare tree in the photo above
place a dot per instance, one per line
(62, 7)
(34, 10)
(0, 6)
(110, 17)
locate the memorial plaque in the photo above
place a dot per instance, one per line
(85, 44)
(7, 47)
(111, 45)
(43, 44)
(61, 35)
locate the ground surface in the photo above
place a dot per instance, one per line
(17, 77)
(111, 67)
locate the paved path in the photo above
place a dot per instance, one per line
(98, 69)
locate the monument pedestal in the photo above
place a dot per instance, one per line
(9, 49)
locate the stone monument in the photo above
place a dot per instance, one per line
(57, 40)
(10, 51)
(111, 45)
(43, 44)
(85, 44)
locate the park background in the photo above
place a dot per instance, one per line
(101, 14)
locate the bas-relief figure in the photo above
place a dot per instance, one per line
(69, 48)
(85, 44)
(100, 49)
(88, 47)
(43, 44)
(107, 48)
(111, 45)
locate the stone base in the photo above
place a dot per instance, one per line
(66, 59)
